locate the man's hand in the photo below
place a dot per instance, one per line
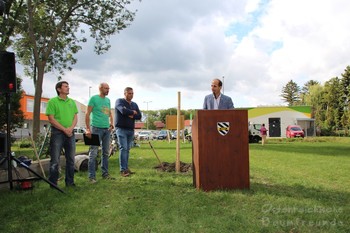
(111, 127)
(68, 132)
(88, 133)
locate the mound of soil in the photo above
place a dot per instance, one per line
(170, 167)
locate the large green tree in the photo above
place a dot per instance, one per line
(305, 91)
(50, 33)
(315, 99)
(9, 22)
(345, 98)
(332, 96)
(291, 93)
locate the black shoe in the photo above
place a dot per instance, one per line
(71, 185)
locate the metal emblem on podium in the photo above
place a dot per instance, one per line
(223, 127)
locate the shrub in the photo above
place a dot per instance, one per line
(25, 144)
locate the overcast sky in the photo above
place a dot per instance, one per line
(255, 47)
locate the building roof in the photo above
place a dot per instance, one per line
(139, 125)
(159, 124)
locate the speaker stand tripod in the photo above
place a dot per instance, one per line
(11, 158)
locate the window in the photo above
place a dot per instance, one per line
(43, 107)
(30, 105)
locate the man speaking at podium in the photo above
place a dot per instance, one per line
(217, 100)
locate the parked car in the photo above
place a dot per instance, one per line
(163, 134)
(153, 134)
(293, 131)
(174, 135)
(143, 135)
(78, 132)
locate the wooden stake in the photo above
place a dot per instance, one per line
(37, 156)
(177, 165)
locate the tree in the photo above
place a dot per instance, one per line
(163, 113)
(8, 24)
(305, 91)
(315, 99)
(332, 95)
(345, 98)
(290, 93)
(53, 32)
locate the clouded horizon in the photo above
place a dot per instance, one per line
(180, 46)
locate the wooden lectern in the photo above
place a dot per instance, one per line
(220, 150)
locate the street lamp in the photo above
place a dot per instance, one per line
(223, 84)
(89, 92)
(147, 112)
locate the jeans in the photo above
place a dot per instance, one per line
(125, 140)
(104, 135)
(58, 142)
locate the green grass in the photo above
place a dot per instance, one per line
(296, 186)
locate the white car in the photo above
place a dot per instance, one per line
(78, 132)
(143, 135)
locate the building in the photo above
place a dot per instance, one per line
(278, 118)
(27, 107)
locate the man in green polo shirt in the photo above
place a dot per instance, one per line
(62, 113)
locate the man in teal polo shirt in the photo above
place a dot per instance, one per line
(62, 113)
(101, 123)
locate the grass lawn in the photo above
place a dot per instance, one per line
(296, 186)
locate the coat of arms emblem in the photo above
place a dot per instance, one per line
(223, 127)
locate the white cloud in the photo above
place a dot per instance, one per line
(181, 45)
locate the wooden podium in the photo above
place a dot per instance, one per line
(220, 150)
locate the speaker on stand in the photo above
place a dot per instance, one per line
(3, 151)
(8, 82)
(8, 85)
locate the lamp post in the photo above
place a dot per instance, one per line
(147, 112)
(89, 92)
(223, 84)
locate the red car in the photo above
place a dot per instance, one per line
(293, 131)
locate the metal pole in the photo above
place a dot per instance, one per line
(8, 140)
(223, 84)
(89, 92)
(147, 112)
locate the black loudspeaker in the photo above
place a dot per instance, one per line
(8, 81)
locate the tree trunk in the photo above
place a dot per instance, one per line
(37, 100)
